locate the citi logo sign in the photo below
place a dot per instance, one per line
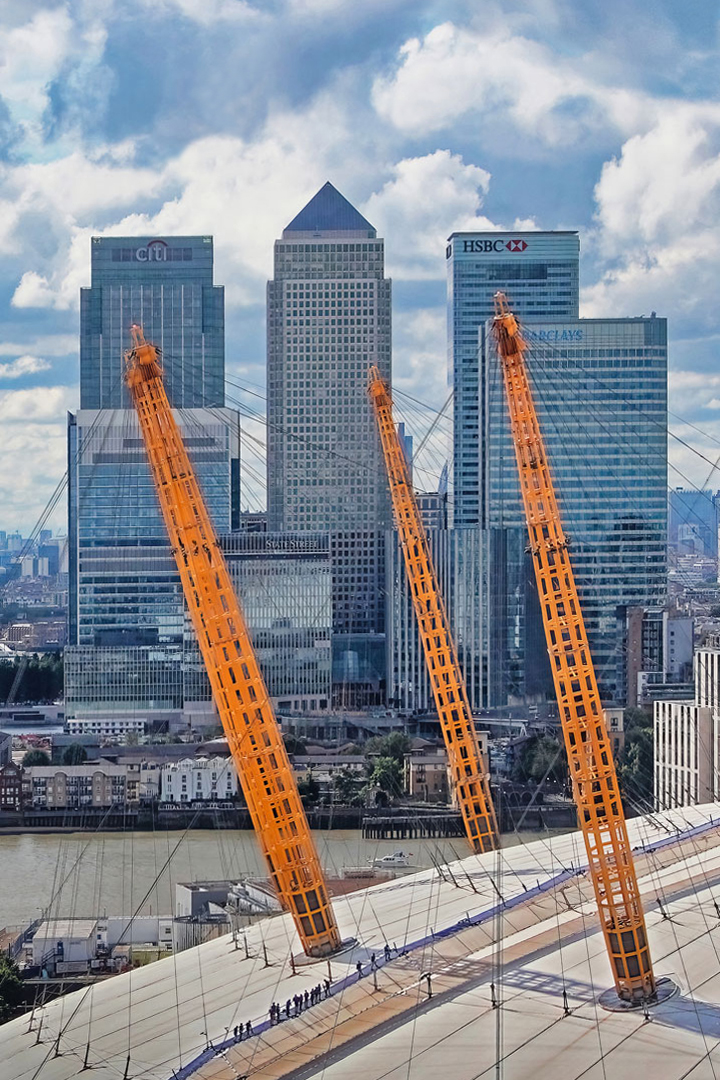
(155, 251)
(487, 246)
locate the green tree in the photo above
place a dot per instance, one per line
(75, 754)
(387, 773)
(42, 679)
(11, 988)
(346, 787)
(35, 757)
(309, 790)
(541, 756)
(396, 746)
(636, 762)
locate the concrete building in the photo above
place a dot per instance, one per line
(687, 739)
(426, 777)
(72, 787)
(114, 728)
(12, 787)
(658, 653)
(329, 319)
(199, 780)
(127, 631)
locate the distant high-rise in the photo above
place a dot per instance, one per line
(329, 319)
(539, 272)
(127, 626)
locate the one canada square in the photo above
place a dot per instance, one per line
(328, 321)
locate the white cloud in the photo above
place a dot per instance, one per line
(243, 192)
(501, 76)
(24, 365)
(50, 344)
(428, 198)
(40, 405)
(657, 230)
(34, 55)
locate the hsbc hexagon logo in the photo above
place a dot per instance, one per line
(476, 247)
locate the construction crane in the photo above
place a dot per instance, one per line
(239, 690)
(468, 769)
(589, 751)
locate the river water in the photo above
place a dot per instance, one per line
(90, 874)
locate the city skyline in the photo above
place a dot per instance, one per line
(333, 93)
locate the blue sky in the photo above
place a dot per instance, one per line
(225, 116)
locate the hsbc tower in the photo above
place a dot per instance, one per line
(539, 273)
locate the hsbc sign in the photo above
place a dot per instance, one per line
(487, 246)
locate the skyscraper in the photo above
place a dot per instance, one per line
(128, 636)
(601, 393)
(539, 271)
(329, 319)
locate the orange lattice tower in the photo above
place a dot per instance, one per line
(589, 752)
(468, 769)
(239, 690)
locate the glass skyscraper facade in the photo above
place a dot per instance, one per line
(462, 563)
(167, 287)
(600, 387)
(128, 633)
(329, 319)
(539, 272)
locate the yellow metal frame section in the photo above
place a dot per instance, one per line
(469, 771)
(238, 687)
(595, 785)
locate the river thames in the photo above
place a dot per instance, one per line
(90, 874)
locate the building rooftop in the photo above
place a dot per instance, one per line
(329, 211)
(516, 929)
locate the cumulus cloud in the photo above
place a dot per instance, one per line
(657, 219)
(24, 365)
(499, 74)
(41, 405)
(35, 54)
(242, 191)
(428, 198)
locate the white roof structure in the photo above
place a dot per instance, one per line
(515, 960)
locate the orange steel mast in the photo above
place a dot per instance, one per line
(589, 752)
(448, 686)
(238, 687)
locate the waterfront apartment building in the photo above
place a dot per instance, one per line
(600, 387)
(73, 787)
(329, 320)
(539, 272)
(128, 634)
(199, 780)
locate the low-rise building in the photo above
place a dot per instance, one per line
(107, 727)
(71, 787)
(687, 739)
(426, 777)
(12, 789)
(199, 780)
